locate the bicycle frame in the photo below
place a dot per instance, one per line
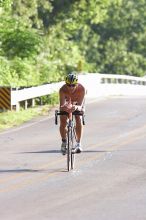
(71, 135)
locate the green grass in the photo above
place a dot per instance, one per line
(10, 119)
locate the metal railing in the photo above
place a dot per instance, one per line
(96, 84)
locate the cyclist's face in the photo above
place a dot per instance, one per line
(71, 86)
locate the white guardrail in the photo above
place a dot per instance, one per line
(26, 94)
(96, 85)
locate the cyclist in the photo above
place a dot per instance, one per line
(72, 96)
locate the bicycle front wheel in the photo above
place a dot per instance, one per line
(69, 143)
(72, 149)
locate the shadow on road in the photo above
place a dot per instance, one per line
(42, 152)
(58, 151)
(18, 171)
(47, 170)
(95, 151)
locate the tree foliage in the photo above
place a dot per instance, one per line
(41, 40)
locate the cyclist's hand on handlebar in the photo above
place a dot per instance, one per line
(67, 107)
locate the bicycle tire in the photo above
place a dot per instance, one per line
(69, 149)
(72, 146)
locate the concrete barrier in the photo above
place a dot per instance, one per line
(104, 85)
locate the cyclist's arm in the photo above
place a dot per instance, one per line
(81, 101)
(61, 98)
(64, 106)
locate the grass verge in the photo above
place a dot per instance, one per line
(10, 119)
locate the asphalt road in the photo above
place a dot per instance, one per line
(109, 179)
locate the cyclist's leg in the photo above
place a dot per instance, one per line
(79, 131)
(63, 132)
(79, 128)
(62, 128)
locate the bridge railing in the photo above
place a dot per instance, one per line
(109, 84)
(96, 85)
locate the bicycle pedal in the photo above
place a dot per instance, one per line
(73, 151)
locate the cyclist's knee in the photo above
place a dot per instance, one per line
(78, 119)
(63, 123)
(62, 126)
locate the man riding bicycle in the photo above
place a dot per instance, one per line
(72, 96)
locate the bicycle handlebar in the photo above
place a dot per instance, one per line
(66, 113)
(80, 113)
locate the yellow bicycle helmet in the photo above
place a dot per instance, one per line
(71, 79)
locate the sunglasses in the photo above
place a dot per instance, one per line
(71, 85)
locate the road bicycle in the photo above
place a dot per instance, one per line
(71, 134)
